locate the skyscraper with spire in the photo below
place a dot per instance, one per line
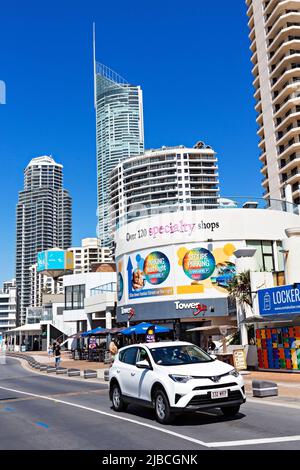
(119, 132)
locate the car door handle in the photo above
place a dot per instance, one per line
(132, 373)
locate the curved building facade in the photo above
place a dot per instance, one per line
(175, 267)
(164, 180)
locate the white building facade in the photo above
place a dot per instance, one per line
(8, 306)
(164, 180)
(90, 252)
(175, 267)
(90, 299)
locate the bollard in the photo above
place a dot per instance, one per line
(74, 372)
(61, 370)
(90, 374)
(106, 375)
(263, 388)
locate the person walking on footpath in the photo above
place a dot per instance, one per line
(56, 351)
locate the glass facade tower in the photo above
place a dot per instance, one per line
(120, 133)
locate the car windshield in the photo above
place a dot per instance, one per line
(179, 355)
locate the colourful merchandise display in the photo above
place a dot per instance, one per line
(278, 348)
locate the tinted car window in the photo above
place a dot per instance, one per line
(179, 355)
(128, 356)
(143, 355)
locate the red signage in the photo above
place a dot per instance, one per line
(200, 308)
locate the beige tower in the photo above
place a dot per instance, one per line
(275, 45)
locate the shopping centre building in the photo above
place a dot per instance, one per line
(175, 267)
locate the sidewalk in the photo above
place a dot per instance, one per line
(66, 361)
(288, 384)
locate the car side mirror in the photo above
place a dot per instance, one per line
(143, 365)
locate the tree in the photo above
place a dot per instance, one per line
(239, 289)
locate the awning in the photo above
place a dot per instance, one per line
(288, 318)
(95, 331)
(36, 327)
(214, 329)
(141, 329)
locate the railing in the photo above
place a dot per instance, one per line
(143, 211)
(109, 287)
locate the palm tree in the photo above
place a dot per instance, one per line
(239, 289)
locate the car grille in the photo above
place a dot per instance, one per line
(199, 400)
(210, 387)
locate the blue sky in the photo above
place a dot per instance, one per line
(191, 58)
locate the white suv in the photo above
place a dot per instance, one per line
(173, 377)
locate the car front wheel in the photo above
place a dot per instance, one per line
(162, 408)
(230, 411)
(117, 399)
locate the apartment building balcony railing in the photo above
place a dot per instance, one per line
(147, 210)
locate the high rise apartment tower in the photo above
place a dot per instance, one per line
(44, 220)
(275, 45)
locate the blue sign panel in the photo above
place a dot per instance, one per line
(41, 261)
(279, 300)
(56, 260)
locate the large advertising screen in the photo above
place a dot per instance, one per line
(190, 270)
(55, 260)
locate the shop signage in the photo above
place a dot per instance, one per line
(150, 336)
(128, 311)
(171, 310)
(279, 300)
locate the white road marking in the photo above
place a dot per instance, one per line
(93, 410)
(251, 442)
(164, 431)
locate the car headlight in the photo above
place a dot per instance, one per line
(180, 378)
(234, 372)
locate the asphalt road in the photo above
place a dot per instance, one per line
(40, 412)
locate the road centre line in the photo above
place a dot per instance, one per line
(162, 430)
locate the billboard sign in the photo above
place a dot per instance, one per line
(55, 260)
(176, 271)
(279, 300)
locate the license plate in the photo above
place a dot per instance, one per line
(219, 394)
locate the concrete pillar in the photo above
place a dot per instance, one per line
(108, 320)
(89, 317)
(291, 248)
(245, 261)
(48, 337)
(289, 198)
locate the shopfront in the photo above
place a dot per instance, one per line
(176, 267)
(278, 337)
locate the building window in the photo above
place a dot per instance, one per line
(264, 255)
(74, 297)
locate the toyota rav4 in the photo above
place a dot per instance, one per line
(172, 378)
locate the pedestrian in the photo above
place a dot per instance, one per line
(57, 349)
(211, 346)
(113, 349)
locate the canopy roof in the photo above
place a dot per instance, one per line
(141, 329)
(26, 327)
